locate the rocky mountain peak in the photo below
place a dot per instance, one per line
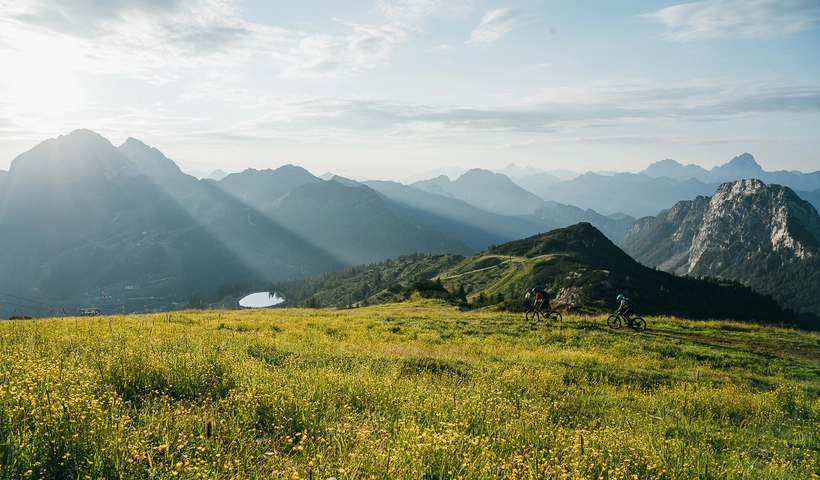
(749, 214)
(731, 191)
(748, 231)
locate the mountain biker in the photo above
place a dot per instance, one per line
(625, 308)
(541, 296)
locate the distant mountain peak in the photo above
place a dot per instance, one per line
(742, 166)
(675, 170)
(478, 172)
(217, 174)
(514, 171)
(132, 140)
(494, 193)
(667, 162)
(744, 160)
(292, 168)
(481, 175)
(262, 187)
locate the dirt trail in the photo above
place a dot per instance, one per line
(503, 262)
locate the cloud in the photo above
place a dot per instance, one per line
(365, 47)
(566, 111)
(417, 11)
(163, 40)
(737, 18)
(85, 18)
(140, 37)
(441, 48)
(408, 10)
(494, 25)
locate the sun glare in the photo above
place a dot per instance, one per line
(40, 82)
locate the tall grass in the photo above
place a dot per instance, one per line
(414, 390)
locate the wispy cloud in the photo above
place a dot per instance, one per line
(571, 109)
(408, 10)
(737, 18)
(441, 48)
(365, 47)
(417, 11)
(494, 25)
(577, 111)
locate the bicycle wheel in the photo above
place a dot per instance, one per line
(638, 324)
(534, 315)
(556, 316)
(614, 321)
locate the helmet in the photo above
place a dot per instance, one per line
(620, 297)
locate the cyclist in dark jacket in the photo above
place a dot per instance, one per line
(625, 308)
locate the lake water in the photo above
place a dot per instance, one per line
(261, 300)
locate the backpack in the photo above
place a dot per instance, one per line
(541, 291)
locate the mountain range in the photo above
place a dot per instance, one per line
(91, 224)
(741, 167)
(80, 217)
(660, 185)
(84, 222)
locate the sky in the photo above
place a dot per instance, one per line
(390, 89)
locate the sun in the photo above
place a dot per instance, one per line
(40, 80)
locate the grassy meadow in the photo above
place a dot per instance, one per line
(406, 391)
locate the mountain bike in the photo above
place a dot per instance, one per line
(636, 323)
(543, 312)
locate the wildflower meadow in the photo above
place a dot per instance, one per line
(404, 391)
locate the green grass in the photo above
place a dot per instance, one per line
(412, 390)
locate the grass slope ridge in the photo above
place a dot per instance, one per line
(578, 265)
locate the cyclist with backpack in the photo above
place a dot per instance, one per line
(541, 296)
(625, 309)
(541, 306)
